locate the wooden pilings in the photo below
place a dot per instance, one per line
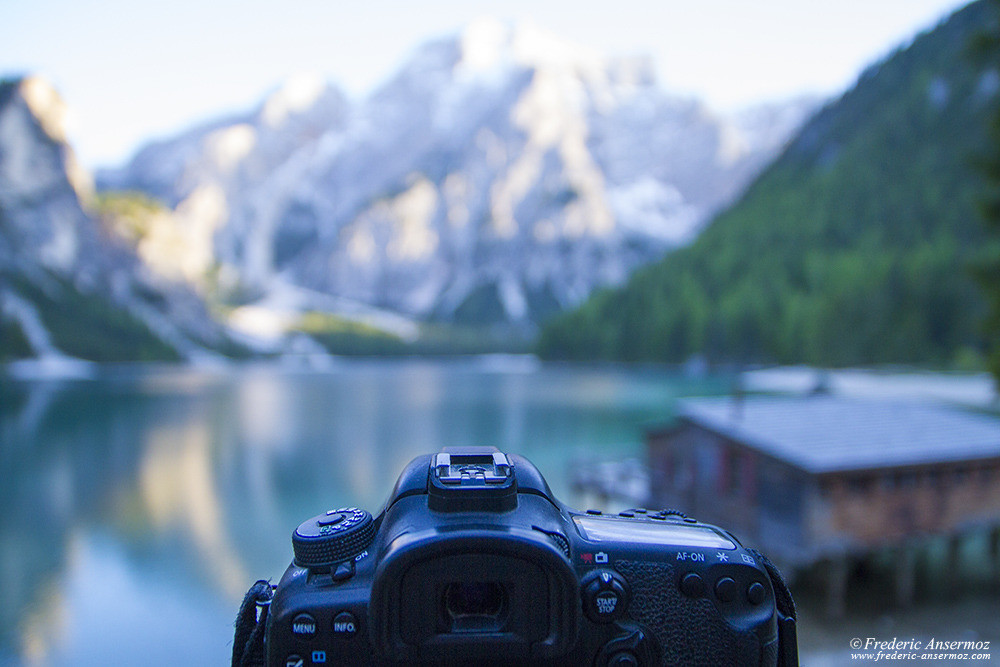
(836, 581)
(936, 566)
(994, 556)
(905, 573)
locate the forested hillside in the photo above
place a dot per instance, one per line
(854, 247)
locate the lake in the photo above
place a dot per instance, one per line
(137, 506)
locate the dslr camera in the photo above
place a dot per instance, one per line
(473, 561)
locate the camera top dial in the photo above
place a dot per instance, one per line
(333, 537)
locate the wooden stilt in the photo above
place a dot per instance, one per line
(953, 566)
(994, 547)
(836, 593)
(904, 573)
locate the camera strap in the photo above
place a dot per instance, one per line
(788, 644)
(248, 642)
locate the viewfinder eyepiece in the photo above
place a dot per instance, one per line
(475, 606)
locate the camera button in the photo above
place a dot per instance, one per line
(623, 659)
(692, 585)
(725, 589)
(304, 626)
(756, 593)
(345, 625)
(330, 519)
(605, 596)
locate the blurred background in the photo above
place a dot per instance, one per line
(739, 259)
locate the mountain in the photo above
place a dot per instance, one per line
(67, 290)
(854, 247)
(499, 176)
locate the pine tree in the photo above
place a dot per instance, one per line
(986, 49)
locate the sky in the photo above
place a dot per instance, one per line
(133, 71)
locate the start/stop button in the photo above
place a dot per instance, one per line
(605, 595)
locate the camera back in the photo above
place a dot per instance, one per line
(472, 560)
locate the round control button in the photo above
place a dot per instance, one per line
(304, 626)
(756, 593)
(594, 512)
(605, 596)
(623, 659)
(692, 585)
(627, 514)
(345, 625)
(725, 589)
(331, 518)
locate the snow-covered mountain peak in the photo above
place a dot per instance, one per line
(295, 95)
(487, 43)
(488, 46)
(299, 94)
(503, 173)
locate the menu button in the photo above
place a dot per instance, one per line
(304, 626)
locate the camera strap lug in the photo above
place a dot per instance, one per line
(788, 651)
(248, 643)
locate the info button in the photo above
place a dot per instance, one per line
(345, 625)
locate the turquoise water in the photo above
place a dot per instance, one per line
(137, 507)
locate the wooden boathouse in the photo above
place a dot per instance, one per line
(829, 479)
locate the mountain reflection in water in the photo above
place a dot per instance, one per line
(138, 506)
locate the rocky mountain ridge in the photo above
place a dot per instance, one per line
(500, 176)
(68, 290)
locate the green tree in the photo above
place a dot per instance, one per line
(986, 48)
(850, 248)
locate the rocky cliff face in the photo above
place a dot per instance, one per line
(66, 287)
(41, 184)
(498, 177)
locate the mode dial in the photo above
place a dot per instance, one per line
(336, 536)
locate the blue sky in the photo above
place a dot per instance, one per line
(131, 71)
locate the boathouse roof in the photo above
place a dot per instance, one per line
(823, 434)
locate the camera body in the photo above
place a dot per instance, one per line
(472, 560)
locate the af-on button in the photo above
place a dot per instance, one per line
(692, 585)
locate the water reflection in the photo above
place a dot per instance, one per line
(137, 507)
